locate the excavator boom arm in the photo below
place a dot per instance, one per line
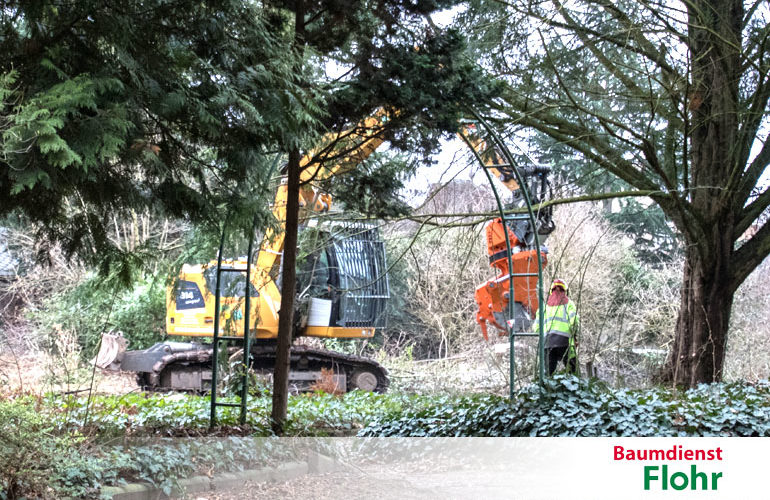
(339, 152)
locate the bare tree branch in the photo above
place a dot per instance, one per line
(622, 43)
(752, 212)
(750, 255)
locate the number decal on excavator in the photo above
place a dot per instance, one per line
(188, 296)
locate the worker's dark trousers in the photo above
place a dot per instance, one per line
(556, 354)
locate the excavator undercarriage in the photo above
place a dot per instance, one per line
(186, 366)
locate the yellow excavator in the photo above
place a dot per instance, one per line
(342, 291)
(342, 283)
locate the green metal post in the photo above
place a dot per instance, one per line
(215, 355)
(246, 326)
(246, 317)
(525, 190)
(509, 330)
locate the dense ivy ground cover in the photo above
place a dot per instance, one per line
(139, 414)
(59, 446)
(567, 406)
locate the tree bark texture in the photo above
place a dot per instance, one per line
(704, 316)
(709, 283)
(288, 285)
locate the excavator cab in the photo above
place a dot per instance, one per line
(348, 271)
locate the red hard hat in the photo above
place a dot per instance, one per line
(558, 282)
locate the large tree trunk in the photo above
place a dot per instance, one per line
(704, 316)
(708, 285)
(288, 285)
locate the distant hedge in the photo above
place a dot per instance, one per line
(567, 406)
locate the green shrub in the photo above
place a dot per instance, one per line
(141, 314)
(90, 308)
(35, 461)
(24, 448)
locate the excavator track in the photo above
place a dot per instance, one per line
(361, 373)
(191, 370)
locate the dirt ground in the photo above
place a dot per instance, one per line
(38, 374)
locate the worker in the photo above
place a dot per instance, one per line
(561, 324)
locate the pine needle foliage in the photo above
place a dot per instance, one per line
(108, 107)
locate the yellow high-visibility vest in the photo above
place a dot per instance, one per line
(560, 320)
